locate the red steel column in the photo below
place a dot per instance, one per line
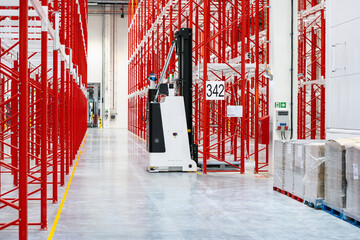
(23, 119)
(71, 45)
(205, 78)
(233, 91)
(38, 127)
(55, 112)
(44, 45)
(179, 16)
(2, 115)
(14, 121)
(257, 82)
(323, 72)
(220, 103)
(67, 94)
(67, 116)
(62, 100)
(303, 97)
(243, 84)
(313, 87)
(72, 85)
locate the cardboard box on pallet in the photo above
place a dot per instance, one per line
(335, 174)
(289, 167)
(279, 158)
(314, 171)
(353, 181)
(299, 168)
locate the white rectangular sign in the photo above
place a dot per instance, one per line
(234, 111)
(215, 90)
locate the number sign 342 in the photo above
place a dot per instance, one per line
(215, 90)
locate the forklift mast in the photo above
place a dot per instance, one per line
(184, 83)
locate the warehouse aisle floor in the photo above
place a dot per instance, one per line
(112, 196)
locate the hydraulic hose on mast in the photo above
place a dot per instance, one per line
(162, 76)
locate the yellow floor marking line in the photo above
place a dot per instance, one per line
(137, 136)
(84, 139)
(198, 173)
(53, 228)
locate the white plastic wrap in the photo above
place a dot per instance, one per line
(299, 168)
(335, 172)
(353, 181)
(289, 167)
(299, 152)
(279, 158)
(314, 172)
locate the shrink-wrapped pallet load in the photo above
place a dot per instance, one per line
(353, 182)
(289, 167)
(279, 158)
(299, 168)
(335, 177)
(314, 172)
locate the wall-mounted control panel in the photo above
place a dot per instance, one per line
(282, 120)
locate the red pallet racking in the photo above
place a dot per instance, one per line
(231, 44)
(43, 106)
(311, 69)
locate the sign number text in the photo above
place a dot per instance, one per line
(215, 90)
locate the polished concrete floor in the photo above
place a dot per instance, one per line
(112, 196)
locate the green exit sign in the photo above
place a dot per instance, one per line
(280, 104)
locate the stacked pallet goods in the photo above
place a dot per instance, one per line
(322, 174)
(314, 172)
(335, 173)
(300, 153)
(279, 159)
(289, 167)
(299, 169)
(353, 182)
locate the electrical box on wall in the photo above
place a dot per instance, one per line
(282, 120)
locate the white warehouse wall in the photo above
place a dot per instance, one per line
(103, 55)
(95, 49)
(343, 69)
(280, 65)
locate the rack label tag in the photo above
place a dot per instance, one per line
(215, 90)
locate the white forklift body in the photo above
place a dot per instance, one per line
(177, 156)
(169, 131)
